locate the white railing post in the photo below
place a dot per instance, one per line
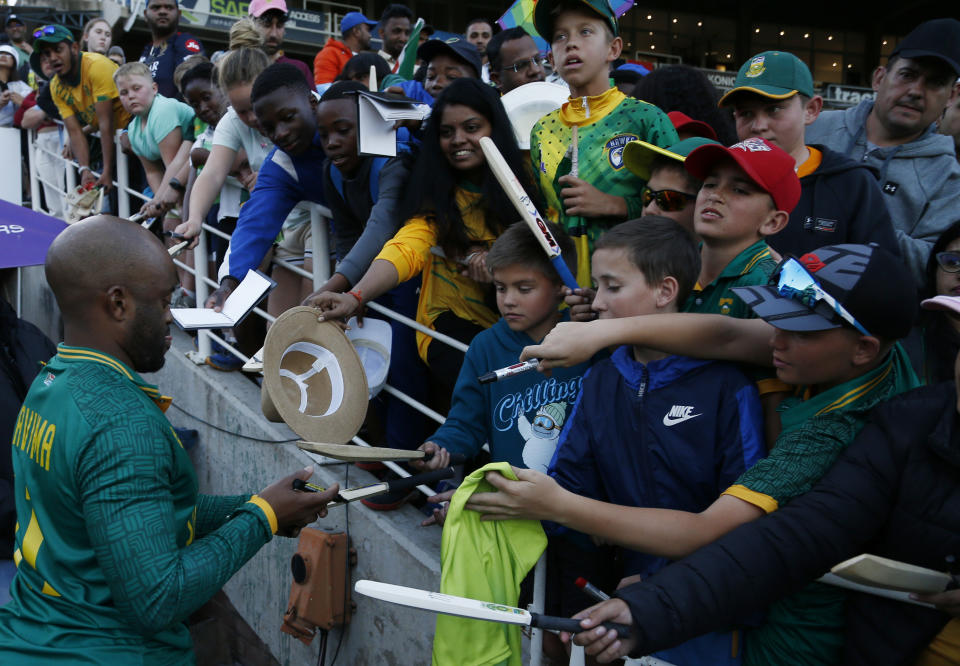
(321, 246)
(200, 257)
(32, 155)
(539, 594)
(123, 179)
(71, 180)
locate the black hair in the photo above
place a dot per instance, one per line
(519, 246)
(276, 76)
(659, 248)
(683, 88)
(396, 11)
(202, 72)
(496, 43)
(662, 162)
(940, 338)
(435, 198)
(359, 65)
(342, 90)
(493, 27)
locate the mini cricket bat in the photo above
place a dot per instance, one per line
(363, 492)
(352, 452)
(473, 608)
(508, 181)
(177, 249)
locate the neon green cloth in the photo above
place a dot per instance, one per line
(487, 561)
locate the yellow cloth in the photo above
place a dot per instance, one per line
(486, 561)
(575, 112)
(443, 289)
(944, 650)
(96, 85)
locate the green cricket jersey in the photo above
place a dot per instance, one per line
(605, 124)
(807, 627)
(751, 267)
(114, 546)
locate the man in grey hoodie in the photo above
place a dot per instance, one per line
(896, 135)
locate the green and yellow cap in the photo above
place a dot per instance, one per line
(773, 74)
(638, 156)
(543, 15)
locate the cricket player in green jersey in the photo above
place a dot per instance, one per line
(114, 546)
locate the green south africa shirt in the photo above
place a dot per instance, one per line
(751, 267)
(605, 124)
(114, 546)
(806, 628)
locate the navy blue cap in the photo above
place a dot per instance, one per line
(457, 47)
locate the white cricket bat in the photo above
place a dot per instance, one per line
(472, 608)
(177, 249)
(352, 452)
(508, 181)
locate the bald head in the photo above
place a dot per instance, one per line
(91, 256)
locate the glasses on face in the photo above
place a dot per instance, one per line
(525, 64)
(668, 201)
(793, 281)
(949, 262)
(45, 30)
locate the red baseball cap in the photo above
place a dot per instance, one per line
(684, 123)
(770, 167)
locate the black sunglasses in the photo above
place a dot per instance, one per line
(667, 200)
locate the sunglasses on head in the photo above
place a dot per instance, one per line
(44, 31)
(792, 280)
(949, 262)
(667, 200)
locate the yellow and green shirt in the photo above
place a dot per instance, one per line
(605, 124)
(443, 288)
(95, 84)
(751, 267)
(114, 546)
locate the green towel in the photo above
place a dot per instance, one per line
(486, 561)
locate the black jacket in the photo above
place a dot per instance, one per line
(840, 202)
(895, 492)
(22, 349)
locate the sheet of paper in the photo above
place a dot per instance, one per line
(189, 318)
(247, 294)
(376, 135)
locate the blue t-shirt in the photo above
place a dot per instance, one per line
(165, 115)
(164, 59)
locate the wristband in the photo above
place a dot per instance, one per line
(176, 185)
(267, 511)
(84, 167)
(357, 294)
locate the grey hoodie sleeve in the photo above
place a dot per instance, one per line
(382, 224)
(937, 214)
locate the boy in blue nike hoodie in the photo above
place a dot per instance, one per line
(520, 417)
(650, 429)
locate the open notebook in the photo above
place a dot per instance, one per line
(876, 571)
(378, 113)
(237, 306)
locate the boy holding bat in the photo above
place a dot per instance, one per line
(520, 417)
(584, 41)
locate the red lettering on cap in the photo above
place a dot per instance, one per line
(811, 262)
(192, 45)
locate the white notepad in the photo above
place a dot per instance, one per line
(237, 306)
(377, 114)
(889, 574)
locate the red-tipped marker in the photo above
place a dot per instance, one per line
(591, 589)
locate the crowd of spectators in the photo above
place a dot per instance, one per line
(749, 262)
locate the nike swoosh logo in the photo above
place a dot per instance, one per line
(674, 420)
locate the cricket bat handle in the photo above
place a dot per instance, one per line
(455, 458)
(572, 626)
(411, 482)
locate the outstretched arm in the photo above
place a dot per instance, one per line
(688, 334)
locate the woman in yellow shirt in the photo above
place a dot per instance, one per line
(454, 209)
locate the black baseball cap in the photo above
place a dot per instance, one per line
(12, 18)
(868, 281)
(938, 38)
(457, 47)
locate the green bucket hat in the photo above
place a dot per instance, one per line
(638, 156)
(48, 34)
(543, 21)
(773, 74)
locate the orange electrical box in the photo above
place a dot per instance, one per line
(320, 592)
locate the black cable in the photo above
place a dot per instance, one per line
(346, 573)
(323, 648)
(230, 432)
